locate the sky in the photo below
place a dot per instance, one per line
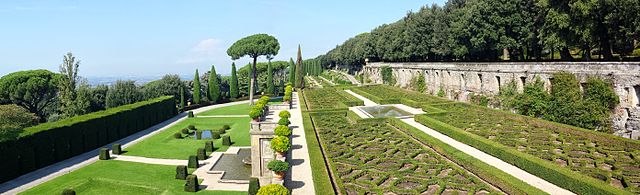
(150, 38)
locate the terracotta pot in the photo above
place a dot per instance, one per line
(279, 175)
(256, 119)
(281, 155)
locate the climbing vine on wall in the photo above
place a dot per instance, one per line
(387, 75)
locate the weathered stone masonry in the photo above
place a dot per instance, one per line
(460, 79)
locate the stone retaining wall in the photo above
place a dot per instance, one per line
(460, 79)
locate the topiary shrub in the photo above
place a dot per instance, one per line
(255, 113)
(280, 144)
(181, 172)
(226, 127)
(198, 134)
(68, 191)
(193, 162)
(273, 189)
(104, 154)
(215, 135)
(177, 135)
(208, 146)
(192, 184)
(222, 131)
(116, 149)
(254, 186)
(284, 121)
(190, 114)
(202, 154)
(226, 140)
(282, 130)
(185, 131)
(284, 114)
(278, 166)
(192, 127)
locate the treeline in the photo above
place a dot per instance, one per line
(38, 96)
(484, 30)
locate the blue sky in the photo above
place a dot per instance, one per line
(147, 38)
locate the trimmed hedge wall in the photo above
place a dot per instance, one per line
(546, 170)
(48, 143)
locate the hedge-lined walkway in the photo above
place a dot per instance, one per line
(367, 102)
(530, 179)
(327, 80)
(350, 77)
(484, 157)
(299, 179)
(53, 171)
(314, 83)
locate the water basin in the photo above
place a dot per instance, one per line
(233, 165)
(383, 111)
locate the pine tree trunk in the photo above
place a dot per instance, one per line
(253, 81)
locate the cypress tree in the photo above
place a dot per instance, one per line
(196, 88)
(292, 71)
(271, 88)
(214, 85)
(181, 98)
(299, 74)
(233, 85)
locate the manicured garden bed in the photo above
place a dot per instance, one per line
(119, 177)
(165, 145)
(330, 98)
(374, 157)
(604, 157)
(552, 151)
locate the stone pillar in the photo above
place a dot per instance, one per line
(261, 152)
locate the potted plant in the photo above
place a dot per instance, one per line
(280, 144)
(279, 169)
(255, 114)
(282, 130)
(284, 114)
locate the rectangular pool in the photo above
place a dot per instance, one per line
(384, 111)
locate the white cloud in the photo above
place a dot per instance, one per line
(207, 50)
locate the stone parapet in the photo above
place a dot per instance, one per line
(461, 79)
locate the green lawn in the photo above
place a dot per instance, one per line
(164, 145)
(240, 109)
(119, 177)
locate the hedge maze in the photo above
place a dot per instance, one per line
(373, 157)
(613, 160)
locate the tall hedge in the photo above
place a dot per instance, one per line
(196, 88)
(233, 84)
(49, 143)
(214, 86)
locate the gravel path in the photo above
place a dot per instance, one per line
(299, 178)
(222, 116)
(157, 161)
(367, 102)
(50, 172)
